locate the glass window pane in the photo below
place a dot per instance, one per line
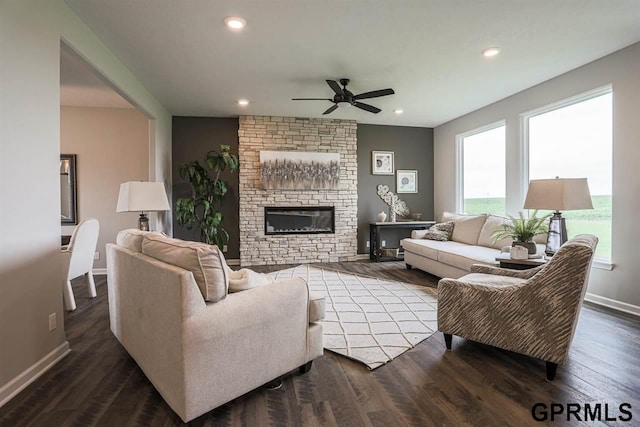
(484, 172)
(576, 142)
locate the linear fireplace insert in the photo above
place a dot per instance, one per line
(299, 220)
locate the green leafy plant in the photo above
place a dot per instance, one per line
(208, 190)
(522, 229)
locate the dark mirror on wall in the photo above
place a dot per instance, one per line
(68, 193)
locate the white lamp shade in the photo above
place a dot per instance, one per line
(559, 194)
(136, 196)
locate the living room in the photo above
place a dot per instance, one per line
(423, 139)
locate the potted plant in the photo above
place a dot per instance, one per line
(208, 191)
(522, 230)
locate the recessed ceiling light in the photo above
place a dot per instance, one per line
(235, 23)
(398, 111)
(243, 102)
(490, 52)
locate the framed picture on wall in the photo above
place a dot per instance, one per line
(407, 181)
(382, 162)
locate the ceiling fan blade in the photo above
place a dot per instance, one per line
(367, 107)
(374, 94)
(331, 109)
(335, 87)
(311, 99)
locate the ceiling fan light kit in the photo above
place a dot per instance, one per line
(343, 95)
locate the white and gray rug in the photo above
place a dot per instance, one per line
(367, 319)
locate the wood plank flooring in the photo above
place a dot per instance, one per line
(98, 384)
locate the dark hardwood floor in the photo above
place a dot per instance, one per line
(98, 384)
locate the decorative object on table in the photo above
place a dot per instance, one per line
(142, 196)
(407, 181)
(68, 190)
(559, 194)
(519, 252)
(382, 217)
(382, 163)
(400, 207)
(522, 230)
(299, 170)
(392, 209)
(363, 330)
(208, 190)
(416, 216)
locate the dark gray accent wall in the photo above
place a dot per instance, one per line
(193, 137)
(413, 149)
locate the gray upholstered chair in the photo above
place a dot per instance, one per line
(533, 312)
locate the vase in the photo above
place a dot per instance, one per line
(392, 211)
(531, 246)
(382, 216)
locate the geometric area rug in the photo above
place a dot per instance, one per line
(368, 319)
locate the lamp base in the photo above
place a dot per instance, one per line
(557, 234)
(143, 222)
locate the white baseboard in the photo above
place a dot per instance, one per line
(100, 271)
(32, 373)
(612, 303)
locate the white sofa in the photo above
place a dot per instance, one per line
(198, 354)
(471, 243)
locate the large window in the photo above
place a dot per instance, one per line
(574, 140)
(482, 171)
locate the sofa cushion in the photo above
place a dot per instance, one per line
(441, 231)
(467, 227)
(206, 262)
(491, 280)
(465, 256)
(316, 307)
(132, 238)
(245, 278)
(491, 225)
(428, 248)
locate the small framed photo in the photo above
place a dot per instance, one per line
(407, 181)
(382, 162)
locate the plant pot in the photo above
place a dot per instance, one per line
(531, 246)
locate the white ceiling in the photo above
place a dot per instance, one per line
(427, 50)
(80, 85)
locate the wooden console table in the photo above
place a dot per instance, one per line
(375, 236)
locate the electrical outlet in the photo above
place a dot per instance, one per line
(52, 322)
(224, 248)
(384, 243)
(96, 255)
(368, 244)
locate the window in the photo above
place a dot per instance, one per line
(482, 171)
(574, 140)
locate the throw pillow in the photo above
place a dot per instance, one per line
(244, 279)
(441, 231)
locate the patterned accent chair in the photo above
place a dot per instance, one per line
(533, 312)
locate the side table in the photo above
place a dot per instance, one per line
(519, 264)
(375, 236)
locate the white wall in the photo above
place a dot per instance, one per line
(30, 268)
(112, 147)
(620, 69)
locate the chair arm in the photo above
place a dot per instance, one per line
(521, 274)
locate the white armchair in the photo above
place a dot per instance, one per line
(79, 255)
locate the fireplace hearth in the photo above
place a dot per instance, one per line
(299, 220)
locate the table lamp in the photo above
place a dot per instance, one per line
(143, 197)
(559, 194)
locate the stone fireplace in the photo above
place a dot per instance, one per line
(306, 240)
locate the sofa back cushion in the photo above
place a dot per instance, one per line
(467, 227)
(491, 225)
(206, 262)
(132, 238)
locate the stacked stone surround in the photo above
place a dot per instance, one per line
(263, 133)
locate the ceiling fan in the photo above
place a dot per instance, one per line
(344, 95)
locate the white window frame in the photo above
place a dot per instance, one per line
(460, 158)
(599, 262)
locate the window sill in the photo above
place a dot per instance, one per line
(603, 264)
